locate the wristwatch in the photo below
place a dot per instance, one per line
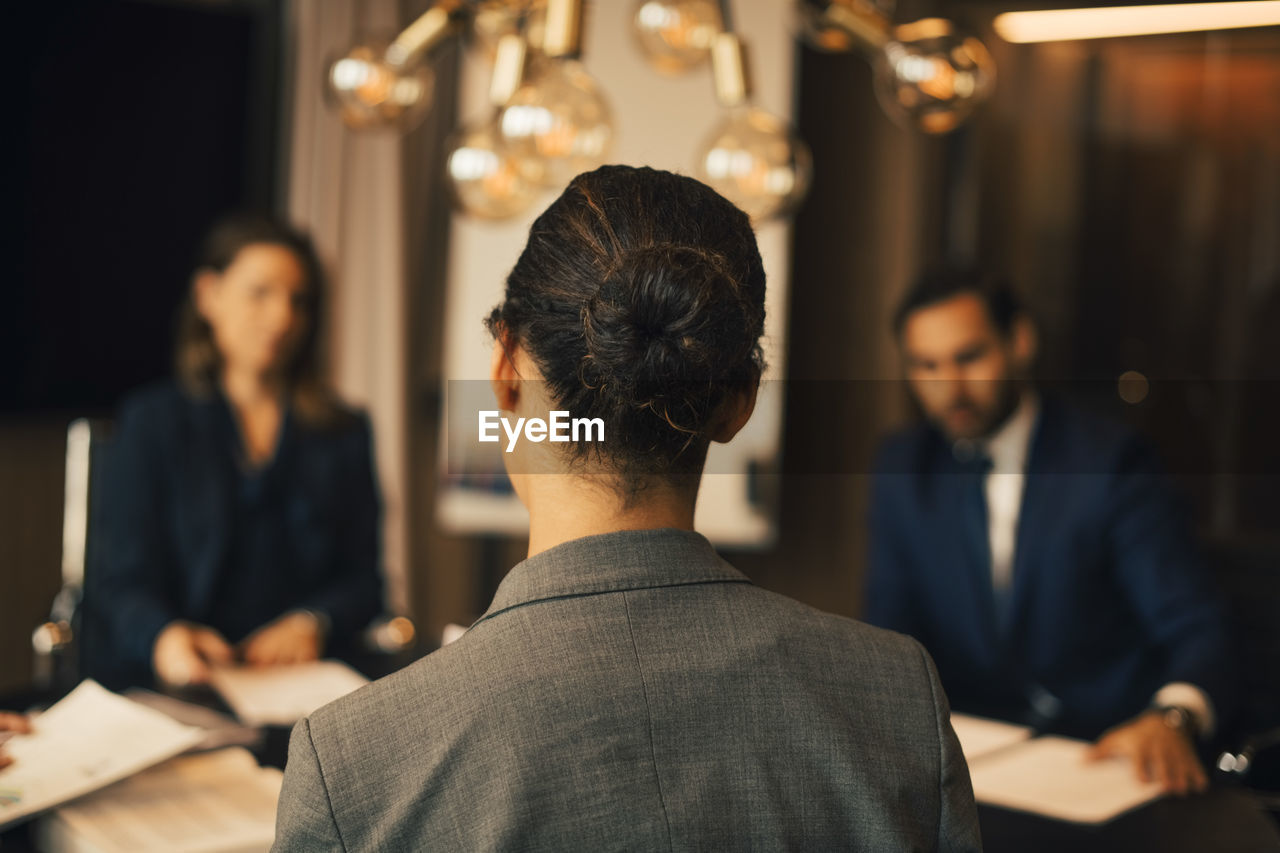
(1178, 718)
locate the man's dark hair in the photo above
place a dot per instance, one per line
(942, 283)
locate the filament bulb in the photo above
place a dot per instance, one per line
(755, 161)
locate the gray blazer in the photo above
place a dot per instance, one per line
(633, 691)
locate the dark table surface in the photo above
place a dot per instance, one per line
(1225, 819)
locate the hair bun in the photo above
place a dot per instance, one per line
(640, 298)
(661, 328)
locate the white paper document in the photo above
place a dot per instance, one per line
(282, 695)
(980, 736)
(216, 802)
(1049, 776)
(87, 741)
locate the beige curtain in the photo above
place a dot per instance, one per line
(346, 189)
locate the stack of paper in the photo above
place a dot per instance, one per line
(87, 741)
(216, 802)
(1046, 775)
(282, 695)
(1050, 776)
(980, 736)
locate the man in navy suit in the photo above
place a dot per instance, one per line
(1035, 550)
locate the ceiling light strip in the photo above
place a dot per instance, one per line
(1114, 21)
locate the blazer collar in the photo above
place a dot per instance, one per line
(613, 562)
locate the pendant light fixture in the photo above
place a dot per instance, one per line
(752, 157)
(558, 122)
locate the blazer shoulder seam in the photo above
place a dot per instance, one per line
(324, 786)
(648, 712)
(938, 738)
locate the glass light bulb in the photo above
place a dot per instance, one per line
(485, 179)
(755, 161)
(676, 35)
(370, 92)
(557, 124)
(932, 76)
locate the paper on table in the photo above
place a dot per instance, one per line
(980, 736)
(219, 729)
(86, 741)
(216, 802)
(1049, 776)
(282, 695)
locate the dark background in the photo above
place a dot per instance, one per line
(132, 125)
(137, 124)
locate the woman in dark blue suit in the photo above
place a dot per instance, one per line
(240, 513)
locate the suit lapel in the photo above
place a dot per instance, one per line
(978, 548)
(1033, 517)
(965, 525)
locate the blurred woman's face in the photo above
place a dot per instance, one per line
(256, 308)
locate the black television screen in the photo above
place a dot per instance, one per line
(138, 123)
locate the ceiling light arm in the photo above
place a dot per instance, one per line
(729, 62)
(562, 38)
(508, 69)
(431, 27)
(726, 16)
(866, 25)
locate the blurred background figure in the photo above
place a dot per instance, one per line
(1036, 550)
(240, 509)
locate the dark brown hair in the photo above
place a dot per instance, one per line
(945, 282)
(640, 297)
(197, 361)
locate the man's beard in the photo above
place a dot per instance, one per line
(986, 421)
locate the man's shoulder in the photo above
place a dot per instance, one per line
(905, 449)
(1074, 439)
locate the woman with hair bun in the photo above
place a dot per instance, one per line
(628, 688)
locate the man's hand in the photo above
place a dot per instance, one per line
(295, 637)
(184, 653)
(1159, 753)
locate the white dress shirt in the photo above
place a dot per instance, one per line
(1007, 448)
